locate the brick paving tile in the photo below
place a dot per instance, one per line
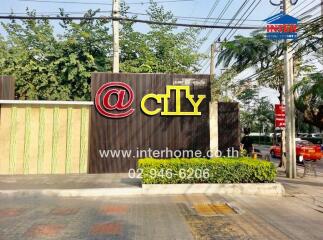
(64, 211)
(11, 212)
(44, 230)
(113, 209)
(107, 228)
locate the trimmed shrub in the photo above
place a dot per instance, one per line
(201, 170)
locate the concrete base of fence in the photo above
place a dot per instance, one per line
(269, 189)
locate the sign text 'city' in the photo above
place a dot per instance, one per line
(123, 96)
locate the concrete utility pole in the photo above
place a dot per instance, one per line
(290, 107)
(115, 26)
(213, 106)
(212, 62)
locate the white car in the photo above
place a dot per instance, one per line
(313, 135)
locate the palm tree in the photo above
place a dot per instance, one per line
(264, 55)
(258, 52)
(244, 52)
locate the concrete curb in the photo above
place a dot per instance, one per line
(83, 192)
(268, 189)
(271, 189)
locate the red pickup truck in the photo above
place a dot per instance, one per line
(305, 150)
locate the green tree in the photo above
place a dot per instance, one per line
(309, 100)
(220, 86)
(50, 66)
(84, 47)
(265, 57)
(258, 53)
(28, 46)
(259, 116)
(244, 52)
(163, 48)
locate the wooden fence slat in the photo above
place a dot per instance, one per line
(7, 88)
(229, 126)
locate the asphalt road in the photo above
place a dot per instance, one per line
(264, 149)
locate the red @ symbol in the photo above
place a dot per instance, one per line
(119, 89)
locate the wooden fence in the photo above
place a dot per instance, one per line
(228, 125)
(41, 138)
(142, 132)
(7, 88)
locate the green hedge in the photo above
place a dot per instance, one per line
(201, 170)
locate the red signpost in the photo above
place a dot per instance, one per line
(280, 116)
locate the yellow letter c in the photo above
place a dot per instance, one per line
(158, 99)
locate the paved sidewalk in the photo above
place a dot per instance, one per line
(307, 190)
(77, 181)
(181, 217)
(297, 216)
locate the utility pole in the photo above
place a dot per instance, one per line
(213, 107)
(290, 107)
(212, 62)
(115, 26)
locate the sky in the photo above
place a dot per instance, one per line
(194, 8)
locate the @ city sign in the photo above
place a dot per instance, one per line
(114, 100)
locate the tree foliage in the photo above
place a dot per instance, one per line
(50, 67)
(57, 66)
(257, 113)
(265, 57)
(162, 49)
(244, 52)
(309, 98)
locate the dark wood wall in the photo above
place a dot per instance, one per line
(229, 126)
(140, 131)
(7, 88)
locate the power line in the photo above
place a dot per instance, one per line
(238, 21)
(13, 17)
(309, 10)
(234, 32)
(44, 14)
(102, 3)
(234, 17)
(298, 6)
(132, 13)
(220, 35)
(220, 16)
(205, 62)
(307, 23)
(215, 4)
(299, 38)
(199, 19)
(255, 75)
(209, 32)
